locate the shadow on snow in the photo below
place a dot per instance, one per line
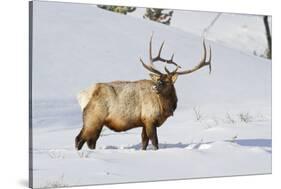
(242, 142)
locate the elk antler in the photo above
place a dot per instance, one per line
(173, 72)
(201, 64)
(150, 67)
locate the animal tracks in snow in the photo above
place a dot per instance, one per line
(63, 153)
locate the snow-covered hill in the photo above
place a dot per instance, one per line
(76, 45)
(242, 32)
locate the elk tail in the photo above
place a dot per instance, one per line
(84, 97)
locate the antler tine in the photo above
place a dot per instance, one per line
(166, 69)
(209, 61)
(158, 57)
(150, 51)
(202, 62)
(150, 68)
(172, 57)
(173, 72)
(205, 54)
(172, 62)
(160, 50)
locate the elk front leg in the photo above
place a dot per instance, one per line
(144, 139)
(151, 132)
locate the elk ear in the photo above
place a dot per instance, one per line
(154, 77)
(174, 78)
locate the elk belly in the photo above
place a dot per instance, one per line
(120, 124)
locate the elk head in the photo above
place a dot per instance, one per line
(164, 82)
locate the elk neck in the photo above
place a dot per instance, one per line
(168, 102)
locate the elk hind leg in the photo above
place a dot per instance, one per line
(80, 140)
(89, 133)
(91, 142)
(93, 119)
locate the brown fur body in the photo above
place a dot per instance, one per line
(123, 105)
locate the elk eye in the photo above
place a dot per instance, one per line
(160, 82)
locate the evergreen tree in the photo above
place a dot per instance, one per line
(118, 9)
(158, 15)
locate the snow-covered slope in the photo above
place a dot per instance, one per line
(77, 45)
(243, 32)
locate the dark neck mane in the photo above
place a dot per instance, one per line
(169, 102)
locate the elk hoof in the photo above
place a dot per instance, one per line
(155, 148)
(91, 144)
(143, 148)
(79, 143)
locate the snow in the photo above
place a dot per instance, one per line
(243, 32)
(76, 45)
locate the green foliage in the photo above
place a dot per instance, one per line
(118, 9)
(158, 15)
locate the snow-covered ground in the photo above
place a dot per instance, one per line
(222, 125)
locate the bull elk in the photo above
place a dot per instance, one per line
(124, 105)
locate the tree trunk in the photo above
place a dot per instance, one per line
(268, 35)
